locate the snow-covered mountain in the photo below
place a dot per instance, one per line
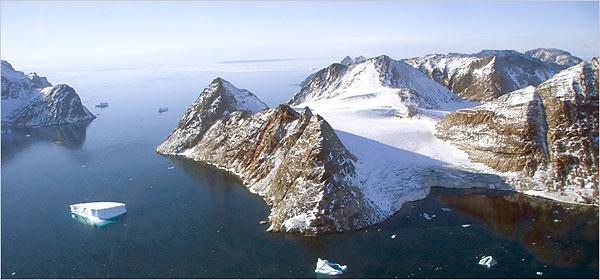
(485, 75)
(294, 161)
(30, 100)
(348, 60)
(562, 59)
(377, 83)
(548, 133)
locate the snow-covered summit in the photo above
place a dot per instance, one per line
(219, 99)
(378, 83)
(242, 98)
(485, 75)
(30, 100)
(561, 58)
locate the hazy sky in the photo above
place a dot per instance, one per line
(81, 31)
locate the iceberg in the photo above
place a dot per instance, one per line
(101, 105)
(487, 261)
(98, 212)
(329, 268)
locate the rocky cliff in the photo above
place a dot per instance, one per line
(485, 75)
(548, 133)
(30, 100)
(295, 161)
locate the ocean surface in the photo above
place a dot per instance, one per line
(189, 220)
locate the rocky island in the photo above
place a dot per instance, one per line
(30, 100)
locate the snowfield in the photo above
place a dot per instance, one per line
(399, 157)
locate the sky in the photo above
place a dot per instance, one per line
(227, 30)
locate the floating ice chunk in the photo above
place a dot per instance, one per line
(557, 221)
(83, 166)
(28, 135)
(487, 261)
(446, 209)
(98, 212)
(539, 273)
(466, 225)
(13, 273)
(329, 268)
(102, 105)
(393, 236)
(171, 167)
(426, 216)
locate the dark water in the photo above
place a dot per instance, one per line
(193, 221)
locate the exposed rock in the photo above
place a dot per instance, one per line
(295, 161)
(348, 60)
(30, 100)
(485, 75)
(561, 59)
(549, 132)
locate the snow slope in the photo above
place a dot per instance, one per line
(399, 158)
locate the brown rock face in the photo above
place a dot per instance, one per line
(549, 132)
(485, 75)
(295, 161)
(571, 104)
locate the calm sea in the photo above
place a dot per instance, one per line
(188, 220)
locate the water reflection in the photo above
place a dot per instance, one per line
(208, 175)
(92, 222)
(17, 139)
(560, 234)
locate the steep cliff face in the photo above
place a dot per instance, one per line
(295, 161)
(550, 133)
(485, 75)
(561, 59)
(30, 100)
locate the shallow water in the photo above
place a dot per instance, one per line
(193, 221)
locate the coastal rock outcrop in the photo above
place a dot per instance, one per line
(548, 132)
(294, 161)
(30, 100)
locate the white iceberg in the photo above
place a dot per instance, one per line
(487, 261)
(98, 212)
(329, 268)
(426, 216)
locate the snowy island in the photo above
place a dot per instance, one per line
(30, 100)
(364, 136)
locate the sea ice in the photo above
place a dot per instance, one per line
(329, 268)
(487, 261)
(446, 209)
(466, 225)
(426, 216)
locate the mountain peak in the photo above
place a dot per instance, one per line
(560, 58)
(379, 82)
(349, 61)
